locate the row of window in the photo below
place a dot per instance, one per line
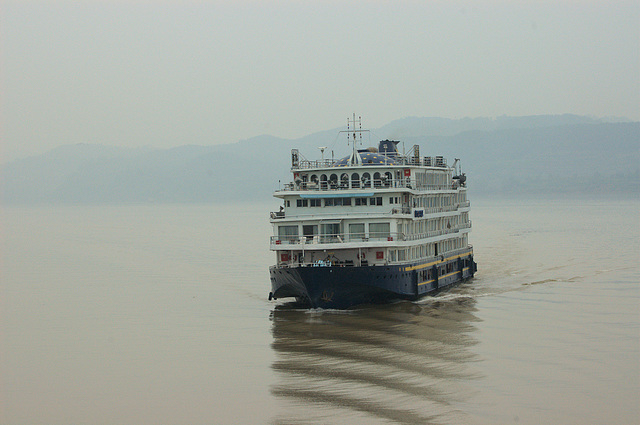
(309, 203)
(430, 274)
(417, 201)
(381, 230)
(332, 230)
(432, 178)
(432, 224)
(354, 180)
(428, 250)
(423, 179)
(440, 200)
(337, 202)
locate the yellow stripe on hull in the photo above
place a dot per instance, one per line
(442, 277)
(422, 266)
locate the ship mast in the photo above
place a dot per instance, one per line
(352, 137)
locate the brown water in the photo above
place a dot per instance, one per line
(159, 315)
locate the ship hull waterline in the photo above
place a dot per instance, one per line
(337, 287)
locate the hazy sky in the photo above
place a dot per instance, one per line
(168, 73)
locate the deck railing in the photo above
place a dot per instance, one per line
(397, 210)
(334, 238)
(332, 261)
(323, 215)
(341, 238)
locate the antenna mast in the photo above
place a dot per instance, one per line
(352, 137)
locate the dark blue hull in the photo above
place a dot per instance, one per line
(342, 287)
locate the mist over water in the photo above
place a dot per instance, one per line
(159, 314)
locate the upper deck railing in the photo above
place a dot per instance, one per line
(320, 163)
(377, 184)
(398, 160)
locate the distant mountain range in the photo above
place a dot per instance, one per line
(507, 156)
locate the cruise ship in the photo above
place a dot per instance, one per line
(374, 226)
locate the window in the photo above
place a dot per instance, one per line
(361, 201)
(355, 180)
(379, 230)
(309, 231)
(376, 180)
(344, 181)
(315, 202)
(330, 232)
(288, 233)
(391, 200)
(375, 201)
(301, 202)
(336, 202)
(323, 182)
(356, 231)
(366, 180)
(331, 228)
(387, 179)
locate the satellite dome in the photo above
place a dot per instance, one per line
(367, 158)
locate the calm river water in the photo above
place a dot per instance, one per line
(158, 314)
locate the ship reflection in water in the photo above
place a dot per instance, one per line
(400, 363)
